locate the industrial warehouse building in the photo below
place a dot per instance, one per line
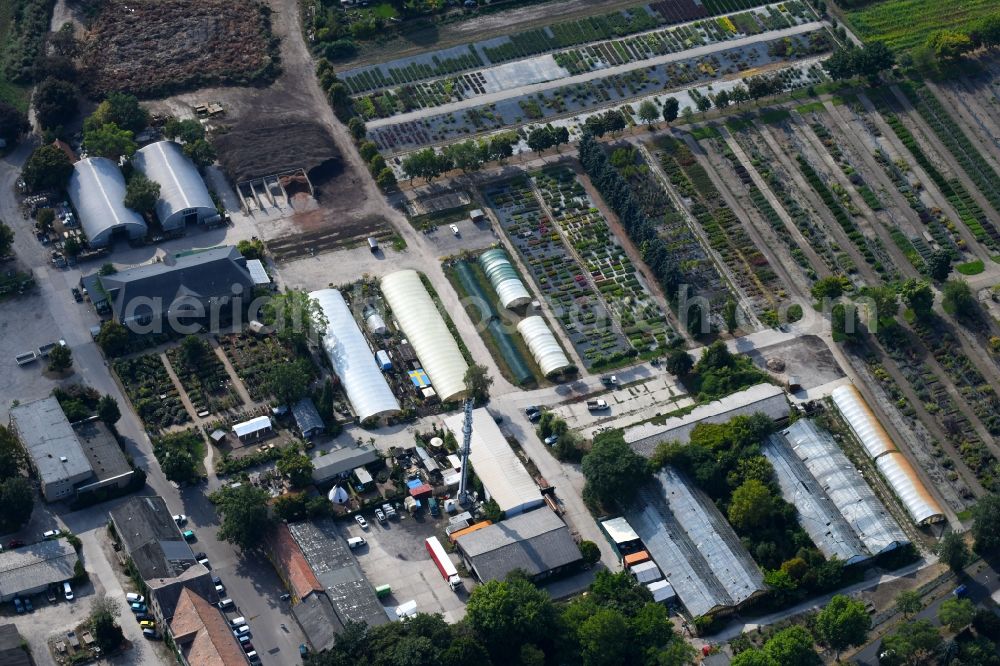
(31, 569)
(693, 545)
(427, 332)
(97, 190)
(896, 469)
(504, 279)
(537, 542)
(544, 347)
(184, 199)
(187, 286)
(352, 359)
(504, 477)
(763, 398)
(65, 465)
(339, 463)
(836, 507)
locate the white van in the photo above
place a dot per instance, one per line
(226, 603)
(238, 622)
(132, 598)
(356, 542)
(252, 656)
(67, 591)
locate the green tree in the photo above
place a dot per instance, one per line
(178, 465)
(958, 298)
(121, 109)
(200, 151)
(541, 138)
(918, 297)
(844, 322)
(108, 411)
(792, 647)
(18, 501)
(72, 246)
(939, 265)
(590, 552)
(956, 613)
(478, 382)
(953, 551)
(754, 657)
(6, 239)
(465, 156)
(729, 315)
(48, 168)
(722, 99)
(648, 112)
(949, 44)
(112, 338)
(109, 141)
(885, 300)
(914, 643)
(829, 287)
(670, 109)
(703, 102)
(507, 614)
(251, 248)
(13, 123)
(385, 179)
(679, 363)
(107, 269)
(909, 602)
(187, 130)
(356, 126)
(295, 317)
(192, 351)
(426, 163)
(751, 506)
(60, 358)
(141, 193)
(297, 467)
(55, 103)
(843, 622)
(367, 149)
(603, 641)
(107, 634)
(613, 471)
(289, 382)
(11, 454)
(986, 525)
(245, 516)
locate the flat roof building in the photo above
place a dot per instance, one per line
(764, 398)
(504, 476)
(622, 536)
(696, 549)
(257, 273)
(53, 449)
(254, 429)
(31, 569)
(184, 199)
(537, 542)
(107, 461)
(340, 463)
(97, 190)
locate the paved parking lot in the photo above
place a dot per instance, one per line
(396, 556)
(630, 404)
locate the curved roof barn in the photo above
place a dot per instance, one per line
(97, 190)
(182, 191)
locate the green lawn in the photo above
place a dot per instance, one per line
(905, 24)
(971, 268)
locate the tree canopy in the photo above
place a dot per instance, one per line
(953, 551)
(55, 103)
(120, 109)
(295, 316)
(13, 123)
(986, 525)
(508, 614)
(843, 623)
(289, 382)
(478, 382)
(141, 193)
(245, 515)
(914, 642)
(613, 470)
(48, 168)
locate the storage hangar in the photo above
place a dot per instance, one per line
(352, 359)
(97, 190)
(543, 345)
(764, 398)
(505, 280)
(537, 542)
(896, 469)
(184, 199)
(696, 549)
(504, 477)
(840, 485)
(425, 328)
(31, 569)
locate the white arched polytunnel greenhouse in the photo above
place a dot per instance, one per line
(424, 327)
(97, 190)
(353, 360)
(543, 345)
(896, 469)
(505, 280)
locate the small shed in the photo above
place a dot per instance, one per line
(254, 429)
(307, 418)
(646, 572)
(363, 476)
(217, 436)
(451, 479)
(630, 561)
(662, 591)
(419, 378)
(426, 460)
(477, 215)
(375, 323)
(421, 491)
(454, 461)
(383, 360)
(257, 273)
